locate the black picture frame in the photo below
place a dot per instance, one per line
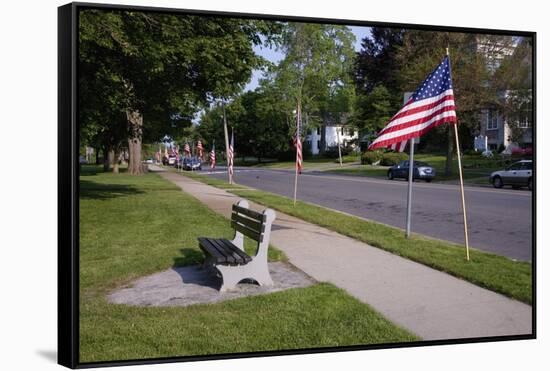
(68, 185)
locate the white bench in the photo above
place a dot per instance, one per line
(228, 257)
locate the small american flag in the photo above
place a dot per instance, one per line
(187, 150)
(230, 157)
(431, 105)
(200, 149)
(213, 157)
(298, 144)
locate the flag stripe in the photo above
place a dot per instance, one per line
(418, 119)
(407, 134)
(402, 115)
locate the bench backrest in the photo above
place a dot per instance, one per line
(249, 222)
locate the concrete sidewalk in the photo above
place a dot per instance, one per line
(431, 304)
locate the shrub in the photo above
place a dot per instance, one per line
(393, 158)
(371, 157)
(472, 152)
(332, 151)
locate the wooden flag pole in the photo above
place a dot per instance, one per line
(409, 193)
(462, 193)
(339, 146)
(461, 183)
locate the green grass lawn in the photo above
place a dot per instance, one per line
(497, 273)
(134, 226)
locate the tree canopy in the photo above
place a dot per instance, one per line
(159, 69)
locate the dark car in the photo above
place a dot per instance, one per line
(421, 170)
(191, 163)
(519, 174)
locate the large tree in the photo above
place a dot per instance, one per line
(376, 74)
(314, 75)
(514, 78)
(376, 63)
(470, 56)
(159, 69)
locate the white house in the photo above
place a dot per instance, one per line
(497, 130)
(333, 134)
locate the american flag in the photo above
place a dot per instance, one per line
(298, 144)
(213, 157)
(200, 149)
(230, 157)
(187, 150)
(431, 105)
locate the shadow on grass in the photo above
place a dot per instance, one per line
(189, 256)
(89, 170)
(189, 267)
(90, 190)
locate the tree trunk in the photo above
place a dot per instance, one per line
(106, 159)
(135, 123)
(449, 162)
(323, 141)
(116, 156)
(96, 155)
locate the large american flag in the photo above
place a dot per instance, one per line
(230, 156)
(431, 105)
(200, 149)
(298, 144)
(187, 150)
(213, 157)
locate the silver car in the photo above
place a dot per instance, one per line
(519, 174)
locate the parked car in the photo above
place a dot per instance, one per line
(192, 163)
(519, 174)
(421, 170)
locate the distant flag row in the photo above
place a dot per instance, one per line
(174, 151)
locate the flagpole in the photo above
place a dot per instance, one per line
(409, 194)
(226, 143)
(461, 182)
(339, 147)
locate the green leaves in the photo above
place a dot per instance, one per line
(165, 66)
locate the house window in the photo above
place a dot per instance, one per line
(318, 144)
(342, 130)
(318, 131)
(492, 120)
(525, 122)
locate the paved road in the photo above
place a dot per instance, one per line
(499, 221)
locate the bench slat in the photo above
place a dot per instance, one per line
(247, 231)
(244, 256)
(253, 224)
(228, 252)
(250, 213)
(223, 251)
(205, 244)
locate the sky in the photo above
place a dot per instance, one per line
(275, 56)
